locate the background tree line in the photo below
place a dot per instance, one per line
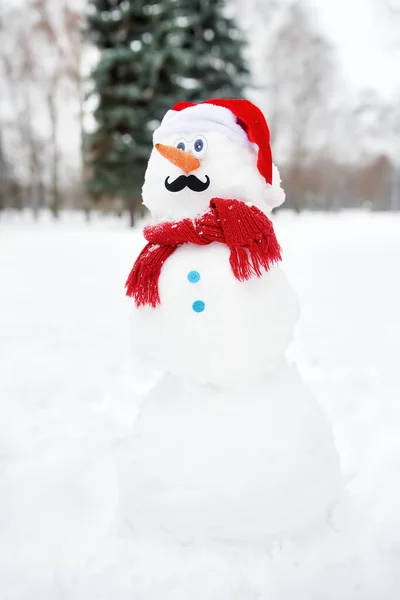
(84, 84)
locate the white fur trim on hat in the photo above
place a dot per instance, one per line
(200, 118)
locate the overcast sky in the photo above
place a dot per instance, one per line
(367, 37)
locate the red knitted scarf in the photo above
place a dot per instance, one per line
(246, 231)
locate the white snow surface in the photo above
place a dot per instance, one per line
(70, 394)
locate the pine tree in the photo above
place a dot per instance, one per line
(212, 50)
(125, 82)
(153, 53)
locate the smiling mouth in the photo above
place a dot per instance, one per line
(191, 181)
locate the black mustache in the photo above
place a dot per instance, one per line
(190, 181)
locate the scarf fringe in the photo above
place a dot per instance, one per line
(247, 261)
(142, 282)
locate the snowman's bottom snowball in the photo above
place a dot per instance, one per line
(207, 463)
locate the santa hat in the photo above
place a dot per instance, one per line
(240, 120)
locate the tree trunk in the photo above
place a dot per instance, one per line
(132, 217)
(2, 197)
(86, 203)
(34, 190)
(3, 177)
(131, 205)
(55, 198)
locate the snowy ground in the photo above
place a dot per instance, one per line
(69, 392)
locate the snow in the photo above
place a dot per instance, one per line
(245, 464)
(70, 394)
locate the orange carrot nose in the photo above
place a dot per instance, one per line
(184, 160)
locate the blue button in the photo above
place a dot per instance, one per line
(198, 306)
(193, 276)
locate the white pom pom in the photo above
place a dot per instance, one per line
(274, 194)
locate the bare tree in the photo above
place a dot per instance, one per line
(18, 73)
(51, 72)
(75, 52)
(34, 144)
(40, 67)
(300, 71)
(61, 30)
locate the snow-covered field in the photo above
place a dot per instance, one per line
(69, 395)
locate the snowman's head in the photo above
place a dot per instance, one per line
(203, 151)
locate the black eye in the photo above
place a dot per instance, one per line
(181, 145)
(199, 145)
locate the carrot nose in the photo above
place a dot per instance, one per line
(184, 160)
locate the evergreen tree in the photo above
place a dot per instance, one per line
(153, 53)
(212, 50)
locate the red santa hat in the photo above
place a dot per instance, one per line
(240, 120)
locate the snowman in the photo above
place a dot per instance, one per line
(229, 445)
